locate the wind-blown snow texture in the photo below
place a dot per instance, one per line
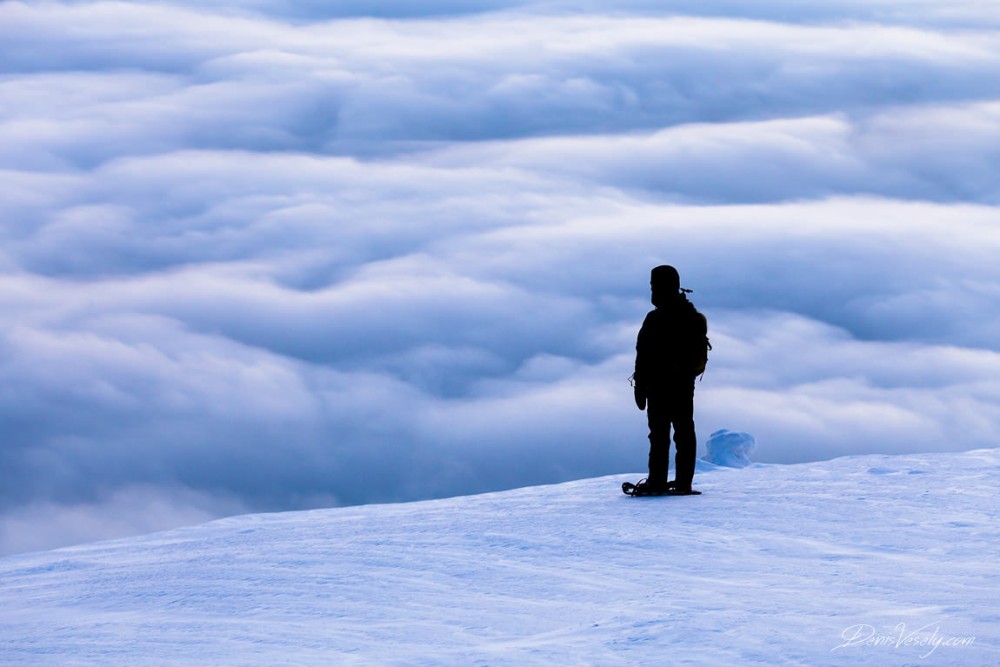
(731, 449)
(772, 565)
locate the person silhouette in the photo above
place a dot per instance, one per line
(670, 352)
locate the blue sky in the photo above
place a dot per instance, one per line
(278, 255)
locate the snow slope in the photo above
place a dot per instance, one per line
(772, 565)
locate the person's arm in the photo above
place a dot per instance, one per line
(639, 389)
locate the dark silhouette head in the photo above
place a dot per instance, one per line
(665, 283)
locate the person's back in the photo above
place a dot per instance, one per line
(669, 356)
(667, 348)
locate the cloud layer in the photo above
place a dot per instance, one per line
(273, 257)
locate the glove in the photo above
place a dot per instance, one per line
(640, 398)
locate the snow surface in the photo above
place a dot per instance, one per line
(772, 565)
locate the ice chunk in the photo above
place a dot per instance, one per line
(731, 449)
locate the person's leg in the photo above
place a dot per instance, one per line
(682, 416)
(659, 439)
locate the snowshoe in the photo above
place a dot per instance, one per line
(687, 491)
(644, 488)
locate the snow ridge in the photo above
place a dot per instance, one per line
(865, 560)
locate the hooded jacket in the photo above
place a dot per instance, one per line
(671, 344)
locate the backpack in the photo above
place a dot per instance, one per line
(700, 347)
